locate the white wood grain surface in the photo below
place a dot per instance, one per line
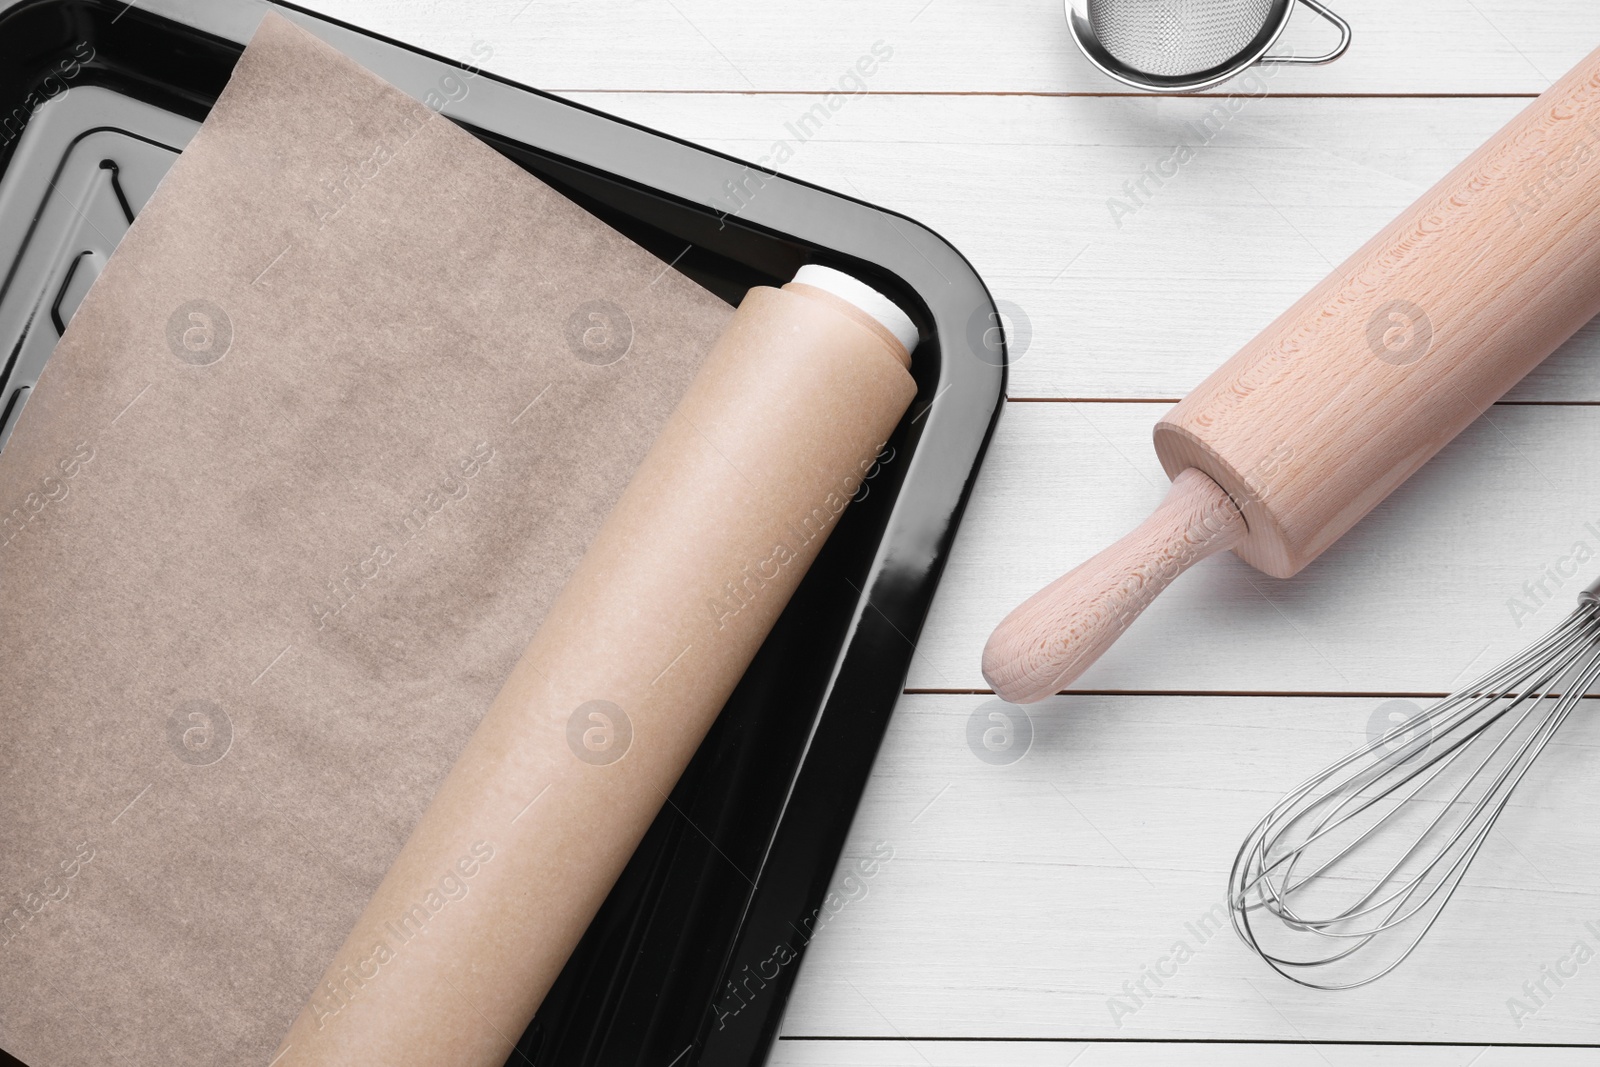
(901, 1053)
(1020, 898)
(1147, 303)
(970, 46)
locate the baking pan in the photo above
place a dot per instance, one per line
(97, 97)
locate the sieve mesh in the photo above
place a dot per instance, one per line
(1173, 38)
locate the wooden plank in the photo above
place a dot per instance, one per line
(898, 1053)
(1147, 299)
(1425, 46)
(1443, 580)
(1016, 900)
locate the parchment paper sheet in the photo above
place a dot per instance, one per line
(616, 691)
(300, 482)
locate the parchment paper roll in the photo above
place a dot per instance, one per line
(577, 754)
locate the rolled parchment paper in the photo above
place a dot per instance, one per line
(642, 648)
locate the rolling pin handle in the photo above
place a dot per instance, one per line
(1053, 636)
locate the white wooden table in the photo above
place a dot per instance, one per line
(1020, 898)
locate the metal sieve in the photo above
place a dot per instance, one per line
(1183, 45)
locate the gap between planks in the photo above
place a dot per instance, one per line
(1174, 400)
(1046, 94)
(947, 1040)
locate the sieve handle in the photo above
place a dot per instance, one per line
(1338, 50)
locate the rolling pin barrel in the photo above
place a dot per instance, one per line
(1359, 383)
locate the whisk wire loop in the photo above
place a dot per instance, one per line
(1416, 800)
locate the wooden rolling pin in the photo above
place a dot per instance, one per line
(1289, 443)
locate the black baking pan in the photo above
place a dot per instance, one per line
(100, 96)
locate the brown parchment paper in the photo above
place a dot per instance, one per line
(638, 654)
(303, 477)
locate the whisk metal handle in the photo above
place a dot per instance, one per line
(1338, 50)
(1591, 593)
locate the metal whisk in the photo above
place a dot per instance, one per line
(1356, 865)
